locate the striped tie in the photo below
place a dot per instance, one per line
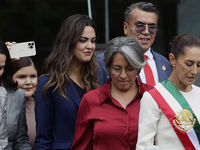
(3, 125)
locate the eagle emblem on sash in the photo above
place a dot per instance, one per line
(184, 120)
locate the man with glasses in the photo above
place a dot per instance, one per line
(141, 23)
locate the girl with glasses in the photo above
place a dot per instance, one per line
(108, 116)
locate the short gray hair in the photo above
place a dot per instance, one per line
(145, 6)
(129, 48)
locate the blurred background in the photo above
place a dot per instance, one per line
(40, 20)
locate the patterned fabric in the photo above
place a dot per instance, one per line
(3, 125)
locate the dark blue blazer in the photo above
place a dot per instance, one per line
(55, 116)
(164, 67)
(102, 79)
(161, 63)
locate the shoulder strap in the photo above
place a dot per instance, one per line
(167, 108)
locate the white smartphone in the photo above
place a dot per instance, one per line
(23, 49)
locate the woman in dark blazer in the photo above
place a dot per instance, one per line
(69, 72)
(16, 127)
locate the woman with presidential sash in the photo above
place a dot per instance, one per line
(170, 114)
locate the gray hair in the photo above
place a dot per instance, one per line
(129, 48)
(145, 6)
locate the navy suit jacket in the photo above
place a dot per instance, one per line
(164, 67)
(55, 116)
(161, 63)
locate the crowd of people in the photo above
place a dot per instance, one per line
(127, 98)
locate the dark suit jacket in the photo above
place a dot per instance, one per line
(16, 121)
(55, 116)
(159, 60)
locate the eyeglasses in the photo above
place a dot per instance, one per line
(118, 70)
(139, 28)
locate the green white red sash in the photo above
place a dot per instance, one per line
(179, 113)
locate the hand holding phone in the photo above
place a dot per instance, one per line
(23, 49)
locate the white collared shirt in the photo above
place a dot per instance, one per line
(153, 67)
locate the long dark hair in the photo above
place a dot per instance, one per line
(6, 77)
(57, 65)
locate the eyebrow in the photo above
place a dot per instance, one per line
(121, 66)
(87, 37)
(116, 66)
(191, 61)
(26, 74)
(140, 22)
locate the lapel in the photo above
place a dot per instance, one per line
(72, 93)
(139, 77)
(158, 65)
(14, 107)
(8, 101)
(158, 62)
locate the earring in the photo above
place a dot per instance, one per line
(174, 66)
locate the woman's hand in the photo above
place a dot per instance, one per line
(9, 44)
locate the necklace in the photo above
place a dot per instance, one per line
(125, 104)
